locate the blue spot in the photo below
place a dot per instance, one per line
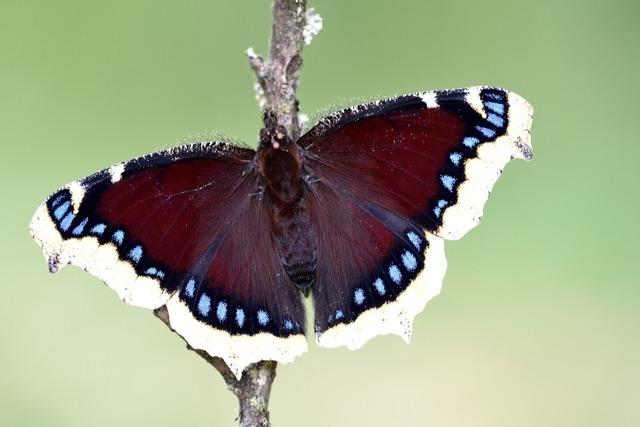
(448, 181)
(379, 285)
(151, 271)
(339, 314)
(395, 274)
(495, 119)
(358, 296)
(135, 254)
(455, 158)
(470, 141)
(288, 325)
(98, 229)
(409, 261)
(160, 274)
(442, 203)
(221, 311)
(66, 221)
(190, 289)
(488, 133)
(57, 200)
(80, 227)
(204, 305)
(240, 317)
(263, 317)
(61, 210)
(495, 107)
(118, 237)
(415, 239)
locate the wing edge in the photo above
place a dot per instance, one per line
(397, 316)
(100, 260)
(482, 172)
(238, 351)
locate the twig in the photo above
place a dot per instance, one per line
(252, 390)
(278, 80)
(278, 77)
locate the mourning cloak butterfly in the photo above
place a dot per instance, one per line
(353, 213)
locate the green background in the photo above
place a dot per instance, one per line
(538, 321)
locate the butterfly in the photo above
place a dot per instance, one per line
(354, 213)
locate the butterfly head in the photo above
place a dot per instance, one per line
(273, 135)
(276, 138)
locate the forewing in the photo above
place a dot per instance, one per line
(432, 157)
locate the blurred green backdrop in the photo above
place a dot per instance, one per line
(538, 321)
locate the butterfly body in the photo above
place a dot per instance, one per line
(281, 165)
(353, 213)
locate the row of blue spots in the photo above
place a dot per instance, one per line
(59, 212)
(438, 209)
(65, 217)
(495, 108)
(205, 306)
(409, 261)
(62, 215)
(152, 271)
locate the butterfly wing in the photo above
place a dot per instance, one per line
(402, 174)
(369, 260)
(432, 157)
(183, 228)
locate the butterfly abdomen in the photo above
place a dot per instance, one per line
(297, 246)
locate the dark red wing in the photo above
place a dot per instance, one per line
(183, 228)
(412, 155)
(368, 262)
(379, 174)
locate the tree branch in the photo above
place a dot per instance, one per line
(278, 77)
(277, 80)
